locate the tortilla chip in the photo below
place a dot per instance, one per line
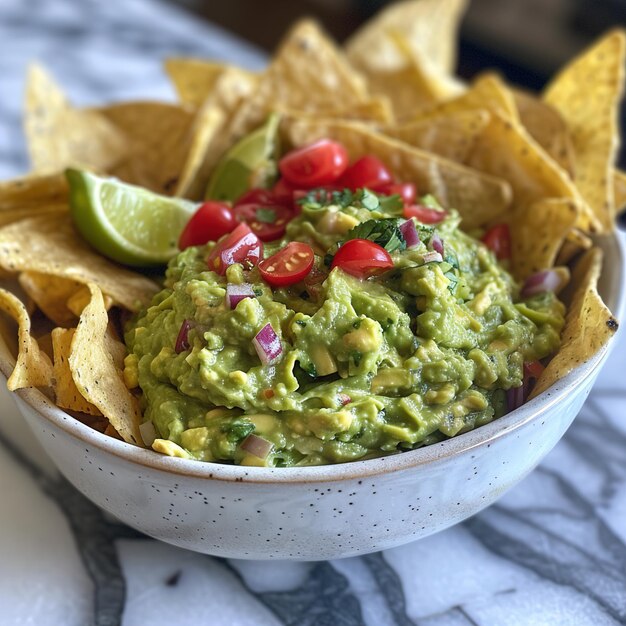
(308, 73)
(619, 189)
(538, 232)
(376, 110)
(95, 374)
(53, 247)
(61, 136)
(589, 324)
(82, 297)
(488, 91)
(50, 294)
(67, 395)
(429, 26)
(194, 79)
(210, 133)
(192, 181)
(33, 367)
(587, 93)
(15, 215)
(159, 138)
(575, 243)
(449, 135)
(547, 128)
(506, 150)
(479, 198)
(33, 191)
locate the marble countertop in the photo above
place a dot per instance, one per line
(551, 552)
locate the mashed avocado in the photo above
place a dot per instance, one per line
(368, 367)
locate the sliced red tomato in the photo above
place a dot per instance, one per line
(498, 239)
(407, 191)
(240, 246)
(289, 265)
(283, 192)
(268, 222)
(362, 258)
(424, 214)
(368, 171)
(211, 221)
(257, 195)
(320, 163)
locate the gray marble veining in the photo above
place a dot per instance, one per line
(551, 552)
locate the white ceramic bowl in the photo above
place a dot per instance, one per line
(315, 512)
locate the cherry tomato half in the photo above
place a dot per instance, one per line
(268, 222)
(368, 171)
(407, 191)
(424, 214)
(320, 163)
(283, 192)
(241, 246)
(498, 239)
(533, 370)
(289, 265)
(362, 258)
(257, 195)
(211, 221)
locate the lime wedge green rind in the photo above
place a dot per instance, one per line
(127, 224)
(252, 162)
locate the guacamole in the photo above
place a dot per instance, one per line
(366, 367)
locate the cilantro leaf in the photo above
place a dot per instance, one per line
(319, 198)
(385, 232)
(266, 215)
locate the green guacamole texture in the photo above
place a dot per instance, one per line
(370, 367)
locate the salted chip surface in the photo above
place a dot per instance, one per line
(587, 93)
(538, 232)
(52, 246)
(193, 79)
(450, 135)
(60, 136)
(33, 367)
(159, 137)
(505, 149)
(589, 324)
(308, 73)
(95, 373)
(548, 128)
(479, 198)
(487, 91)
(66, 393)
(430, 27)
(33, 192)
(50, 294)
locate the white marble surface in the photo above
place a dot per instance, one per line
(552, 552)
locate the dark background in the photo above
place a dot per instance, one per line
(526, 40)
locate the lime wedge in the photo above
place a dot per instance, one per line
(252, 162)
(126, 223)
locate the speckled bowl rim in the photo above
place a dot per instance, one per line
(484, 435)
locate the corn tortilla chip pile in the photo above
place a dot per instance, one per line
(542, 163)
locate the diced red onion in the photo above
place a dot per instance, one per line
(182, 341)
(515, 397)
(236, 293)
(548, 280)
(436, 243)
(148, 433)
(267, 345)
(344, 399)
(431, 256)
(410, 234)
(256, 446)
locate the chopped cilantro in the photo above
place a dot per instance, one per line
(266, 215)
(386, 233)
(237, 430)
(320, 198)
(356, 357)
(301, 323)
